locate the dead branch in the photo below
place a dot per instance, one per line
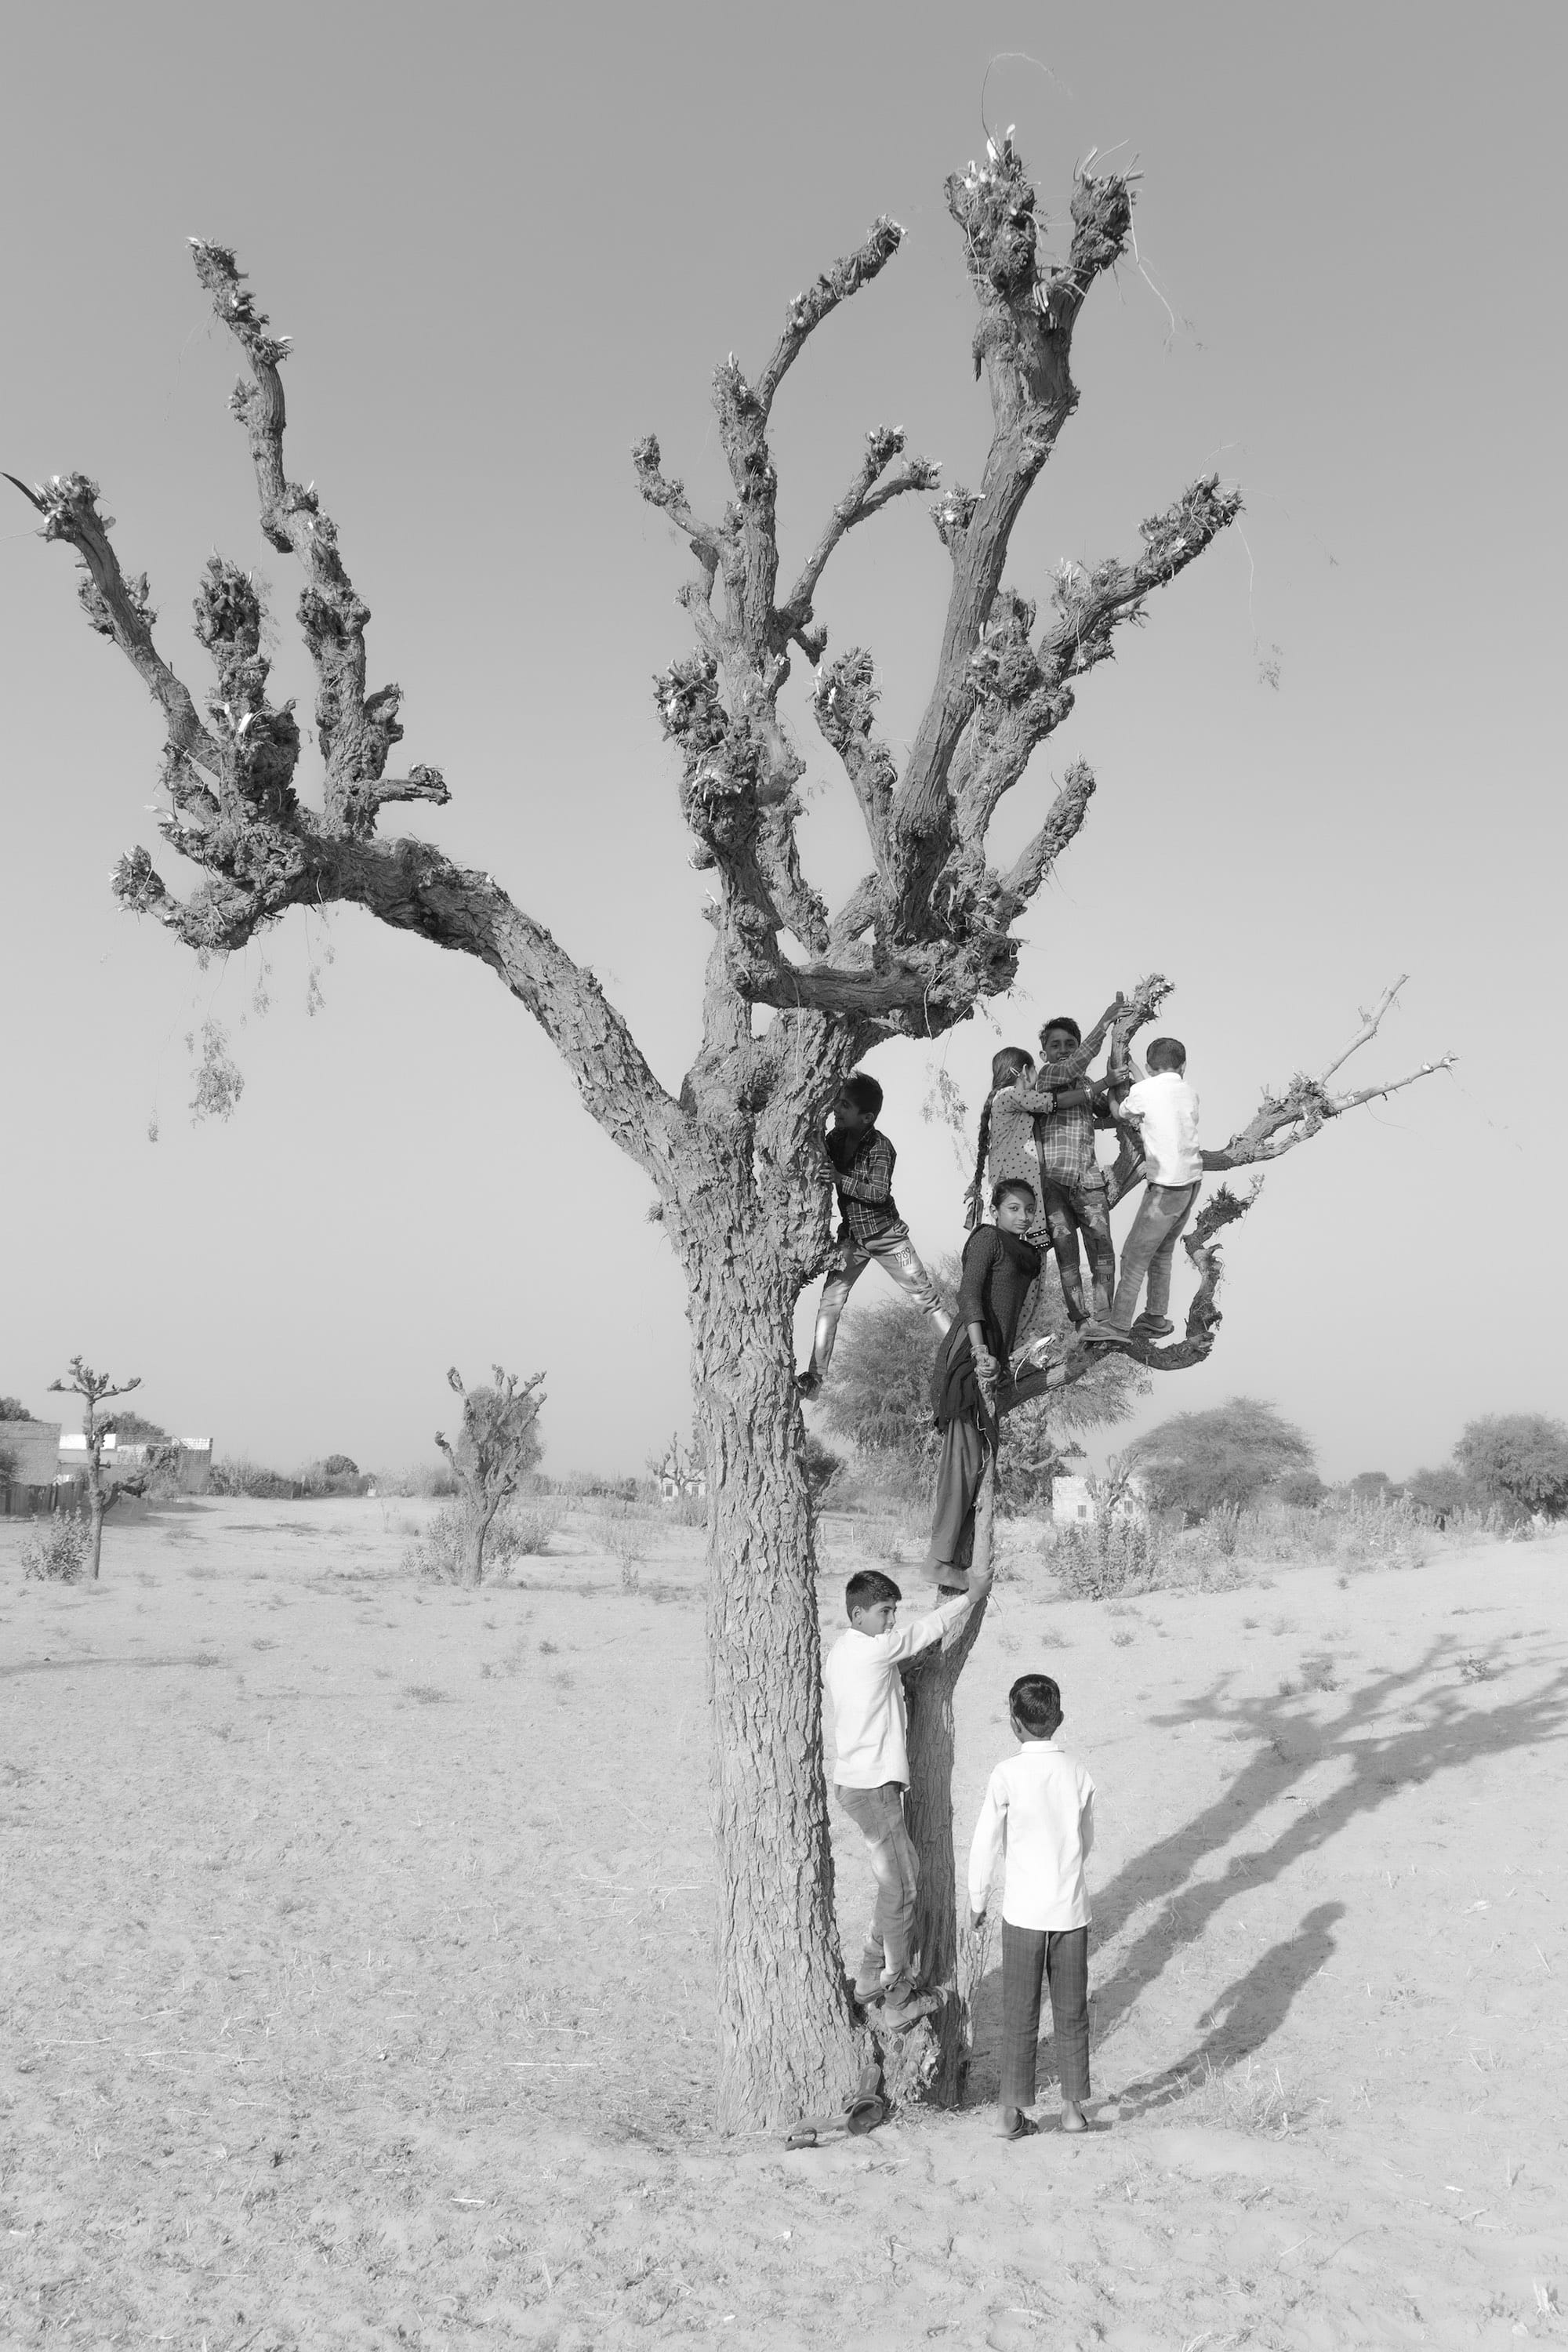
(807, 311)
(867, 494)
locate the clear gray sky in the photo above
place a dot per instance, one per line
(507, 242)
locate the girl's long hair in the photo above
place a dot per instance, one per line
(1010, 1064)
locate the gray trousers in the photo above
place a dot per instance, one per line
(1032, 1958)
(892, 1250)
(1162, 1213)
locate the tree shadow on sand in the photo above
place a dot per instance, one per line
(1396, 1730)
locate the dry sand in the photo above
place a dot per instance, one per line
(357, 1989)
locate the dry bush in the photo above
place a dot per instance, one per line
(55, 1550)
(1108, 1557)
(623, 1536)
(439, 1549)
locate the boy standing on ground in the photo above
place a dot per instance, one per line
(862, 1162)
(1074, 1197)
(864, 1699)
(1164, 1110)
(1039, 1809)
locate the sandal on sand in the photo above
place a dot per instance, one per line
(1012, 2122)
(863, 2113)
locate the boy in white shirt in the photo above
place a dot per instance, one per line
(865, 1705)
(1164, 1110)
(1039, 1806)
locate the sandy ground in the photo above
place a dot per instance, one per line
(356, 1985)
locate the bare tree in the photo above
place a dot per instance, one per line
(95, 1389)
(735, 1154)
(495, 1445)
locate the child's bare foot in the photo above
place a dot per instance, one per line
(1073, 2120)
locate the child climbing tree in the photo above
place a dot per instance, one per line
(733, 1153)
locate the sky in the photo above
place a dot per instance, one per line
(507, 243)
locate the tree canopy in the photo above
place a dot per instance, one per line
(1196, 1461)
(1520, 1458)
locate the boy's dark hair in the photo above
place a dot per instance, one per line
(1011, 1184)
(1166, 1054)
(1036, 1704)
(863, 1091)
(1061, 1021)
(867, 1587)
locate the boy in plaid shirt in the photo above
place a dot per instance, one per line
(1074, 1198)
(862, 1162)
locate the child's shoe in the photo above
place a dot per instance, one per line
(1012, 2122)
(807, 1383)
(951, 1580)
(1152, 1326)
(1104, 1335)
(904, 2005)
(868, 1990)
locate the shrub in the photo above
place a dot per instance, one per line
(519, 1532)
(1302, 1488)
(1441, 1492)
(339, 1466)
(56, 1551)
(822, 1467)
(1109, 1557)
(442, 1550)
(238, 1474)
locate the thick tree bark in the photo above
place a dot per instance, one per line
(788, 2041)
(96, 1506)
(930, 2063)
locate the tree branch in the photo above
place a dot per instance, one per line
(119, 608)
(1061, 829)
(807, 311)
(867, 494)
(411, 886)
(1024, 344)
(355, 731)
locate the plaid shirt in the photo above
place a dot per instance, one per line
(863, 1179)
(1065, 1139)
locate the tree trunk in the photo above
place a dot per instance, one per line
(930, 2063)
(472, 1526)
(95, 1510)
(788, 2041)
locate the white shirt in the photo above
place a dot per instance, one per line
(1039, 1806)
(1166, 1110)
(866, 1698)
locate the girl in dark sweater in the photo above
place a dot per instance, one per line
(1000, 1269)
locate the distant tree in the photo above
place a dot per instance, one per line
(1371, 1485)
(1303, 1487)
(879, 1393)
(498, 1445)
(821, 1467)
(1442, 1491)
(95, 1389)
(13, 1409)
(338, 1466)
(1197, 1461)
(130, 1429)
(1517, 1458)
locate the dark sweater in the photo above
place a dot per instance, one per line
(999, 1271)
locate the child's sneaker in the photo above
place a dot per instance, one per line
(1152, 1326)
(868, 1990)
(807, 1383)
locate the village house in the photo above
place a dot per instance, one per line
(29, 1464)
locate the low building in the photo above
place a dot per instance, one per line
(30, 1462)
(192, 1466)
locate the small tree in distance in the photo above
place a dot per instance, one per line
(496, 1447)
(1518, 1458)
(1197, 1461)
(880, 1392)
(95, 1389)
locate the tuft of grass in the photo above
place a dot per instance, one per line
(425, 1694)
